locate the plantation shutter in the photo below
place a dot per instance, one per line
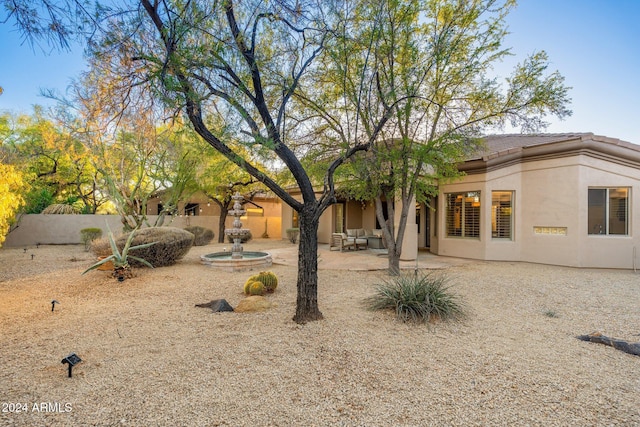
(463, 214)
(501, 214)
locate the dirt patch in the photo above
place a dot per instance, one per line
(150, 357)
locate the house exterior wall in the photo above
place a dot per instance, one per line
(272, 205)
(326, 225)
(353, 214)
(550, 194)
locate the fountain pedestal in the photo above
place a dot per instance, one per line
(237, 233)
(238, 260)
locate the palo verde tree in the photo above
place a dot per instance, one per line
(430, 62)
(136, 153)
(11, 187)
(239, 64)
(175, 167)
(52, 159)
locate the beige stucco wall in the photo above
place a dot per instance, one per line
(65, 229)
(272, 206)
(548, 193)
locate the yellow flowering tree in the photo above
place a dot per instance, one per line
(11, 187)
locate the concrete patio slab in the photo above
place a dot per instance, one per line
(363, 260)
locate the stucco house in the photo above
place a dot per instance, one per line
(263, 213)
(562, 199)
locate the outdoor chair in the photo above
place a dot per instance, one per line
(359, 237)
(341, 241)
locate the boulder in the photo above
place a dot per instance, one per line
(217, 305)
(253, 303)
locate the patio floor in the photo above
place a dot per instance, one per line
(362, 260)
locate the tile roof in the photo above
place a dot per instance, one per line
(497, 145)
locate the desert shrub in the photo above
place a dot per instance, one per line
(292, 234)
(417, 298)
(172, 244)
(88, 235)
(245, 239)
(100, 247)
(202, 235)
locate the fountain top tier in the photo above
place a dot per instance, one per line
(237, 210)
(238, 260)
(237, 233)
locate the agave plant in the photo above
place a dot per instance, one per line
(120, 259)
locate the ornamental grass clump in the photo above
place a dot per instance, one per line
(417, 298)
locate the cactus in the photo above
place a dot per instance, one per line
(257, 288)
(247, 284)
(269, 279)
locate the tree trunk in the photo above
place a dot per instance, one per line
(307, 302)
(388, 230)
(221, 223)
(394, 261)
(394, 234)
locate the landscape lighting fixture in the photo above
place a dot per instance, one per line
(72, 360)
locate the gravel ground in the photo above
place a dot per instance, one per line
(151, 358)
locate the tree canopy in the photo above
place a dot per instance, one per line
(315, 82)
(430, 63)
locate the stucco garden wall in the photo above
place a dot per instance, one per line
(65, 229)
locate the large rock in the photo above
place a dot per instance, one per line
(253, 303)
(217, 305)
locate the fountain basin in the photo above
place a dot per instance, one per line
(249, 261)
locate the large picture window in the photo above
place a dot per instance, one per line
(502, 215)
(609, 211)
(463, 214)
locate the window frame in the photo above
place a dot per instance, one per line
(459, 212)
(606, 209)
(496, 235)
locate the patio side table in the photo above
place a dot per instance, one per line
(375, 242)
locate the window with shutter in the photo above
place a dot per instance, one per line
(463, 214)
(502, 215)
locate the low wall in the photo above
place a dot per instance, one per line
(65, 229)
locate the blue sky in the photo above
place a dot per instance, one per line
(595, 44)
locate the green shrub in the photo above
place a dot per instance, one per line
(292, 234)
(171, 245)
(417, 298)
(203, 236)
(245, 239)
(88, 235)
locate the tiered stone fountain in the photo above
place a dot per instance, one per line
(237, 260)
